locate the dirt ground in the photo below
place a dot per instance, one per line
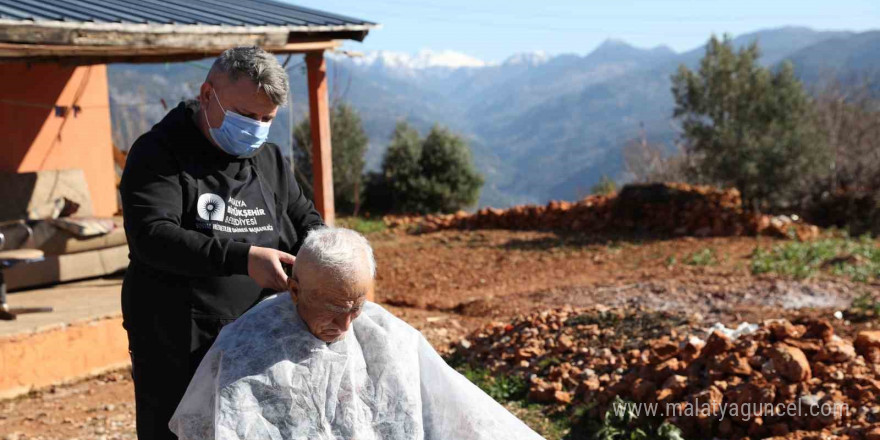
(449, 283)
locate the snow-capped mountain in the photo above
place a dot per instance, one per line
(527, 58)
(422, 60)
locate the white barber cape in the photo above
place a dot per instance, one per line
(267, 377)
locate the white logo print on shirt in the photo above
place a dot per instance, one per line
(233, 216)
(211, 207)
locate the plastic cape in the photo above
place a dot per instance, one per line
(268, 377)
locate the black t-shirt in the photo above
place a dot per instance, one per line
(191, 213)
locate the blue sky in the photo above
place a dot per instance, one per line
(492, 30)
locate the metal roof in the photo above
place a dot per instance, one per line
(186, 14)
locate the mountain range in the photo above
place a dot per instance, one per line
(541, 127)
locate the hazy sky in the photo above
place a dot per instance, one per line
(494, 29)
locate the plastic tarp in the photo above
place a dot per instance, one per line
(268, 377)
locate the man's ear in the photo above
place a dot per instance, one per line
(205, 93)
(293, 287)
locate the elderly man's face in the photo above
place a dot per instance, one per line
(241, 96)
(328, 306)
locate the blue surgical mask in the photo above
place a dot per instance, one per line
(238, 135)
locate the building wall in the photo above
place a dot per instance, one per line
(36, 138)
(61, 354)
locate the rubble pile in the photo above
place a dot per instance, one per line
(665, 208)
(565, 351)
(795, 380)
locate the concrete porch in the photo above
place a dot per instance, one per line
(82, 337)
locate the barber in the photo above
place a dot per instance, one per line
(211, 213)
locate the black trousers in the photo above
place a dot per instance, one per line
(160, 380)
(161, 368)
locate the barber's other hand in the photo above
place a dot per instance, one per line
(264, 266)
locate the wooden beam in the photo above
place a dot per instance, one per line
(111, 54)
(83, 36)
(357, 35)
(319, 117)
(137, 36)
(168, 35)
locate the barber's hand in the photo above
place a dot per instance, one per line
(264, 266)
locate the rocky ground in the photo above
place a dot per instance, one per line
(588, 357)
(457, 285)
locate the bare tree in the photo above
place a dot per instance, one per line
(648, 162)
(849, 118)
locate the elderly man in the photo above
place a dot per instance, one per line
(211, 213)
(322, 363)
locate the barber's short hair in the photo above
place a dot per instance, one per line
(259, 66)
(345, 252)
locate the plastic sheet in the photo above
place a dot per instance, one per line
(268, 377)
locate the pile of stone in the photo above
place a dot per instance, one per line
(782, 378)
(792, 379)
(564, 350)
(666, 208)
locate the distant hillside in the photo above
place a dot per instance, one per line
(541, 127)
(851, 57)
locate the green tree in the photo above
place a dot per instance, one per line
(434, 174)
(397, 184)
(302, 157)
(349, 145)
(605, 186)
(747, 126)
(451, 181)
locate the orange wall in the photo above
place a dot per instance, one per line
(35, 139)
(63, 354)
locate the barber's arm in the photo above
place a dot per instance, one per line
(152, 205)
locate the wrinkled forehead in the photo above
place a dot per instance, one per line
(338, 306)
(336, 301)
(327, 286)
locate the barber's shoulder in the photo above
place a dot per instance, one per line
(172, 133)
(148, 148)
(150, 140)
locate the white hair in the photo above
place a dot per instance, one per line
(345, 252)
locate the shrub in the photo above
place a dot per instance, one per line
(703, 257)
(605, 186)
(858, 259)
(430, 175)
(624, 421)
